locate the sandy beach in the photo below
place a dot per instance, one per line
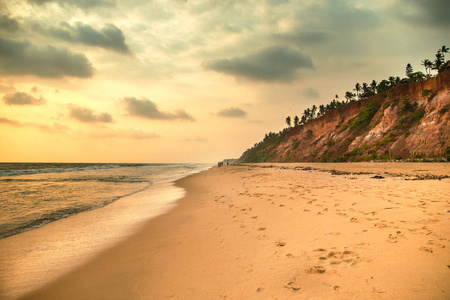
(284, 231)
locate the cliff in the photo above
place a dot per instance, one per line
(411, 120)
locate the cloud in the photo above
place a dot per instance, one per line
(87, 115)
(109, 37)
(125, 133)
(83, 4)
(145, 108)
(424, 12)
(56, 127)
(338, 16)
(302, 37)
(276, 63)
(232, 112)
(21, 98)
(311, 93)
(10, 122)
(8, 24)
(4, 88)
(24, 58)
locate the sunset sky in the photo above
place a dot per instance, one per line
(190, 81)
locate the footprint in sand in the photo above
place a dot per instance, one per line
(380, 225)
(392, 239)
(431, 242)
(338, 257)
(333, 233)
(294, 283)
(315, 270)
(426, 249)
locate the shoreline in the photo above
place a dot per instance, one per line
(66, 213)
(33, 258)
(251, 232)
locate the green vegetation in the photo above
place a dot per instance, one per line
(340, 159)
(264, 150)
(444, 109)
(327, 156)
(406, 105)
(330, 142)
(364, 118)
(411, 119)
(365, 90)
(402, 120)
(427, 92)
(345, 145)
(411, 114)
(288, 121)
(385, 141)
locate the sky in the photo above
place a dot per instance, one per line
(190, 81)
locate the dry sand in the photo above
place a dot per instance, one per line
(260, 232)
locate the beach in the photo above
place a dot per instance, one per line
(283, 231)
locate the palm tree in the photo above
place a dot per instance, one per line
(428, 65)
(304, 119)
(333, 104)
(391, 81)
(439, 61)
(365, 88)
(313, 112)
(357, 89)
(383, 86)
(322, 109)
(296, 121)
(444, 50)
(373, 86)
(349, 96)
(288, 121)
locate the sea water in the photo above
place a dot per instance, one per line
(85, 208)
(32, 195)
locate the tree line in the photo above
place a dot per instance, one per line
(262, 151)
(366, 90)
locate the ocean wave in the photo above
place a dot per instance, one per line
(33, 201)
(16, 172)
(118, 179)
(43, 219)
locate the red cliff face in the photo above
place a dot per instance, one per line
(410, 120)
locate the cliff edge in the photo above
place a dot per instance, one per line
(411, 120)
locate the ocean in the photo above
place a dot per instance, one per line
(34, 194)
(87, 208)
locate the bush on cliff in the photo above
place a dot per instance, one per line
(367, 114)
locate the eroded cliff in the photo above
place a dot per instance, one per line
(408, 121)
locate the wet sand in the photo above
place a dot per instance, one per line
(35, 258)
(283, 232)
